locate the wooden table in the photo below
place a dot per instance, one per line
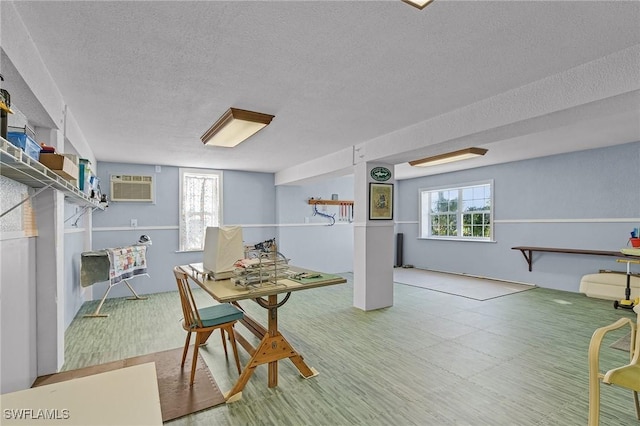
(273, 345)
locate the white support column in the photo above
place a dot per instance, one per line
(372, 244)
(87, 292)
(50, 268)
(49, 207)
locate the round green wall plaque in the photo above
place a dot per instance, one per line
(380, 174)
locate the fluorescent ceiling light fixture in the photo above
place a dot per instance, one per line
(419, 4)
(235, 126)
(449, 157)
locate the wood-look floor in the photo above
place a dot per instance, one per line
(431, 359)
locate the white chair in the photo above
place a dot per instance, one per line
(626, 376)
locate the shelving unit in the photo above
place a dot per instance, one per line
(332, 202)
(16, 165)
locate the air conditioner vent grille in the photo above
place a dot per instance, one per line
(132, 188)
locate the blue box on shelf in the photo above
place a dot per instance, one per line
(25, 143)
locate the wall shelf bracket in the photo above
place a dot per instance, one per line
(25, 200)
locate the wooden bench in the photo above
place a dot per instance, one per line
(527, 252)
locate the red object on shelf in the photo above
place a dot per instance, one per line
(47, 149)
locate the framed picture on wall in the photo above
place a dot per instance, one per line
(380, 201)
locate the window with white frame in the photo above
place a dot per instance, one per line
(200, 205)
(464, 212)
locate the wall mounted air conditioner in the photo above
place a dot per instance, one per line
(132, 188)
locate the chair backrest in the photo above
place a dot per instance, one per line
(189, 308)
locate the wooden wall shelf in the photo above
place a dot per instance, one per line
(332, 202)
(527, 253)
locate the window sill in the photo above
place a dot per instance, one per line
(468, 240)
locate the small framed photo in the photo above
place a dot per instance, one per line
(380, 201)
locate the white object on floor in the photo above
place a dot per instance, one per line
(125, 397)
(609, 285)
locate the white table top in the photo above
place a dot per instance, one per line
(124, 397)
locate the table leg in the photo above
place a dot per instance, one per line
(273, 332)
(272, 348)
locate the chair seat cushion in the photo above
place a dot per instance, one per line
(219, 314)
(627, 377)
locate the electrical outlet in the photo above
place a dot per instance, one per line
(134, 223)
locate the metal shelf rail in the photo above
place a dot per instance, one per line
(16, 165)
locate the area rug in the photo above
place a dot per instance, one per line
(622, 343)
(177, 398)
(459, 285)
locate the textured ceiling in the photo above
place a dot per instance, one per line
(145, 79)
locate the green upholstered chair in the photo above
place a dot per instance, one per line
(627, 376)
(205, 321)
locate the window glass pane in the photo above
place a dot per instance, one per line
(478, 192)
(435, 221)
(443, 202)
(452, 225)
(452, 197)
(434, 202)
(467, 194)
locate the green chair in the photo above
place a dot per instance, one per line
(627, 376)
(205, 321)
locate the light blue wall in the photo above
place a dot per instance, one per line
(581, 200)
(248, 198)
(250, 201)
(577, 200)
(306, 238)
